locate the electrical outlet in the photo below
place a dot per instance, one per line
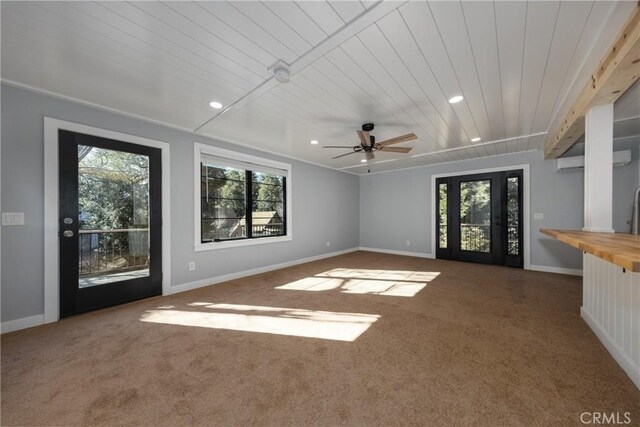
(12, 218)
(538, 216)
(408, 242)
(328, 244)
(192, 265)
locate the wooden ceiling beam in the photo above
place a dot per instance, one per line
(616, 73)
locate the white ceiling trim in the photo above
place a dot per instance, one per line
(353, 27)
(622, 119)
(363, 175)
(466, 147)
(159, 123)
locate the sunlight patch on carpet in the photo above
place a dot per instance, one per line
(268, 320)
(365, 281)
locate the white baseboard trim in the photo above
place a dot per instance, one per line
(393, 252)
(558, 270)
(544, 268)
(614, 349)
(24, 323)
(232, 276)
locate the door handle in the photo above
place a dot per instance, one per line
(67, 233)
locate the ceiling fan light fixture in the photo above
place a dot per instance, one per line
(476, 139)
(215, 105)
(456, 99)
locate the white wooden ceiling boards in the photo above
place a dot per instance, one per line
(518, 64)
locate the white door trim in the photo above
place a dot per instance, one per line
(526, 196)
(51, 207)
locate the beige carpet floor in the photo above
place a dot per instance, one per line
(359, 339)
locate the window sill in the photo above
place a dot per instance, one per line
(238, 243)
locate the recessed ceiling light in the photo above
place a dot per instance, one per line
(215, 104)
(314, 142)
(363, 161)
(456, 99)
(477, 139)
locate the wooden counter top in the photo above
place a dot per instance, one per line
(620, 249)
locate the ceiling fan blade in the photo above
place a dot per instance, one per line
(365, 139)
(404, 150)
(370, 155)
(398, 139)
(337, 146)
(345, 154)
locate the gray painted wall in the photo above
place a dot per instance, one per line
(396, 206)
(325, 202)
(625, 180)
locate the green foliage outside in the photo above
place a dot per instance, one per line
(112, 189)
(113, 193)
(512, 216)
(267, 193)
(223, 203)
(442, 207)
(475, 215)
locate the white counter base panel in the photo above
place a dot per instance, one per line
(611, 307)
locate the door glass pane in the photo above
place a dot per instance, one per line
(442, 215)
(223, 204)
(475, 216)
(267, 212)
(513, 225)
(113, 216)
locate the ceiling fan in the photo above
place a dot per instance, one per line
(369, 146)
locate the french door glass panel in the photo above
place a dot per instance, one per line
(113, 216)
(223, 203)
(513, 216)
(443, 213)
(475, 216)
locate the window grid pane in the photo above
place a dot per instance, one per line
(223, 203)
(268, 208)
(240, 204)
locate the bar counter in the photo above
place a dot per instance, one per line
(620, 249)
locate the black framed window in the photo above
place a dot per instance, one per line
(241, 200)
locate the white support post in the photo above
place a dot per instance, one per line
(598, 169)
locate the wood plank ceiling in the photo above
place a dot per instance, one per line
(518, 64)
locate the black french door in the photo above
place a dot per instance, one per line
(479, 218)
(110, 222)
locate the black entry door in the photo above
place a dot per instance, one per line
(110, 222)
(479, 218)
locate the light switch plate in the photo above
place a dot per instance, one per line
(12, 218)
(538, 216)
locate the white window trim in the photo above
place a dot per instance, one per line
(51, 207)
(241, 157)
(526, 203)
